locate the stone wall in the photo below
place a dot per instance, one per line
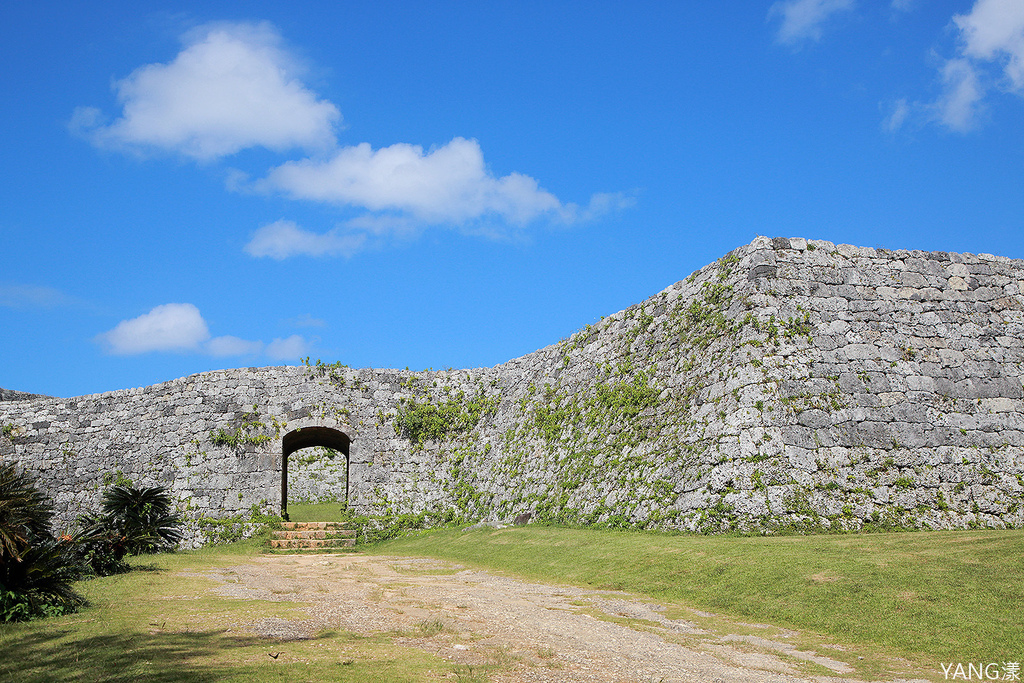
(317, 475)
(8, 395)
(791, 385)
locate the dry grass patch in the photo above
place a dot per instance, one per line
(899, 601)
(167, 624)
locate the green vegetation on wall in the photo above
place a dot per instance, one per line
(252, 430)
(431, 420)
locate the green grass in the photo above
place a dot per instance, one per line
(156, 624)
(928, 596)
(316, 512)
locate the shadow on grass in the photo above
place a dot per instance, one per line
(151, 567)
(166, 657)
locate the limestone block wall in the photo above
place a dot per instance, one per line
(798, 385)
(8, 395)
(791, 385)
(317, 475)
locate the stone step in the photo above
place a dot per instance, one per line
(292, 526)
(308, 543)
(315, 533)
(330, 550)
(313, 536)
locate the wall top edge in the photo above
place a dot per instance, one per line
(793, 245)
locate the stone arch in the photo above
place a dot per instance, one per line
(305, 437)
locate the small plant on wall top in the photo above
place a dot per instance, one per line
(332, 371)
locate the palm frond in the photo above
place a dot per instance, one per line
(25, 513)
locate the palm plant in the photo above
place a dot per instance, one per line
(40, 583)
(101, 546)
(36, 570)
(141, 518)
(25, 513)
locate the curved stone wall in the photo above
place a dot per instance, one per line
(791, 385)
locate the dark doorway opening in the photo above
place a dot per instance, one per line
(308, 437)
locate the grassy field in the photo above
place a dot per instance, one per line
(162, 623)
(930, 596)
(315, 512)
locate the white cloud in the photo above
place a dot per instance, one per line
(958, 107)
(803, 19)
(233, 86)
(386, 224)
(900, 112)
(232, 346)
(306, 320)
(31, 296)
(292, 348)
(181, 328)
(282, 239)
(602, 203)
(994, 32)
(991, 39)
(170, 327)
(230, 88)
(448, 184)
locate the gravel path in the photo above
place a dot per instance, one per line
(538, 632)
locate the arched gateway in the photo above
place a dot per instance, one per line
(790, 384)
(307, 437)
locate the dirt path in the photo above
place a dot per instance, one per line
(535, 632)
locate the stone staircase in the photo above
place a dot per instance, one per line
(321, 537)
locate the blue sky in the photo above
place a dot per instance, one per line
(191, 186)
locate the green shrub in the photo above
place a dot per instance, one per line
(100, 547)
(372, 529)
(133, 521)
(25, 513)
(36, 569)
(628, 399)
(419, 422)
(39, 584)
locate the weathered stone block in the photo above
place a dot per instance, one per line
(914, 357)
